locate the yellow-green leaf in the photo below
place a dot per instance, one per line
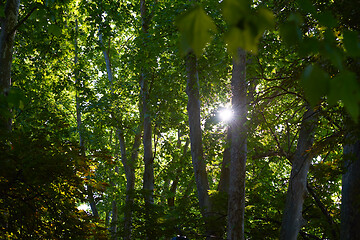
(195, 27)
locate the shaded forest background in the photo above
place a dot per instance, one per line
(115, 106)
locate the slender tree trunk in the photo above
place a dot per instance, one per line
(79, 126)
(193, 107)
(238, 149)
(148, 178)
(350, 203)
(115, 212)
(224, 181)
(324, 210)
(174, 185)
(212, 226)
(292, 220)
(129, 167)
(7, 38)
(114, 215)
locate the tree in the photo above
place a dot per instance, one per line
(238, 149)
(8, 22)
(74, 123)
(292, 216)
(350, 209)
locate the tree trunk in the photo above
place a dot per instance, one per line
(79, 126)
(224, 181)
(324, 210)
(7, 38)
(193, 107)
(115, 212)
(292, 220)
(212, 227)
(238, 149)
(148, 178)
(129, 167)
(174, 185)
(350, 203)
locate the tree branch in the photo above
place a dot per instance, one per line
(24, 19)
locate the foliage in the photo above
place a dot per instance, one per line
(299, 52)
(42, 182)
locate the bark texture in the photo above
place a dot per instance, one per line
(350, 203)
(238, 149)
(193, 108)
(7, 37)
(148, 179)
(292, 220)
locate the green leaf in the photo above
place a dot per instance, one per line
(235, 10)
(346, 88)
(2, 11)
(195, 26)
(290, 31)
(265, 19)
(315, 82)
(307, 6)
(54, 29)
(246, 27)
(16, 98)
(310, 45)
(352, 43)
(244, 39)
(327, 19)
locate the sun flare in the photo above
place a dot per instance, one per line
(225, 114)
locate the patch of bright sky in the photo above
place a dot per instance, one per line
(84, 207)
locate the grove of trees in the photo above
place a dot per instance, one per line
(116, 105)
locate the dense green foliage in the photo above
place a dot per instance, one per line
(299, 53)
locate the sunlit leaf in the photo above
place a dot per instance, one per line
(195, 26)
(246, 25)
(235, 10)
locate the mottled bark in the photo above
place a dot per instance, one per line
(238, 149)
(292, 220)
(350, 202)
(7, 38)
